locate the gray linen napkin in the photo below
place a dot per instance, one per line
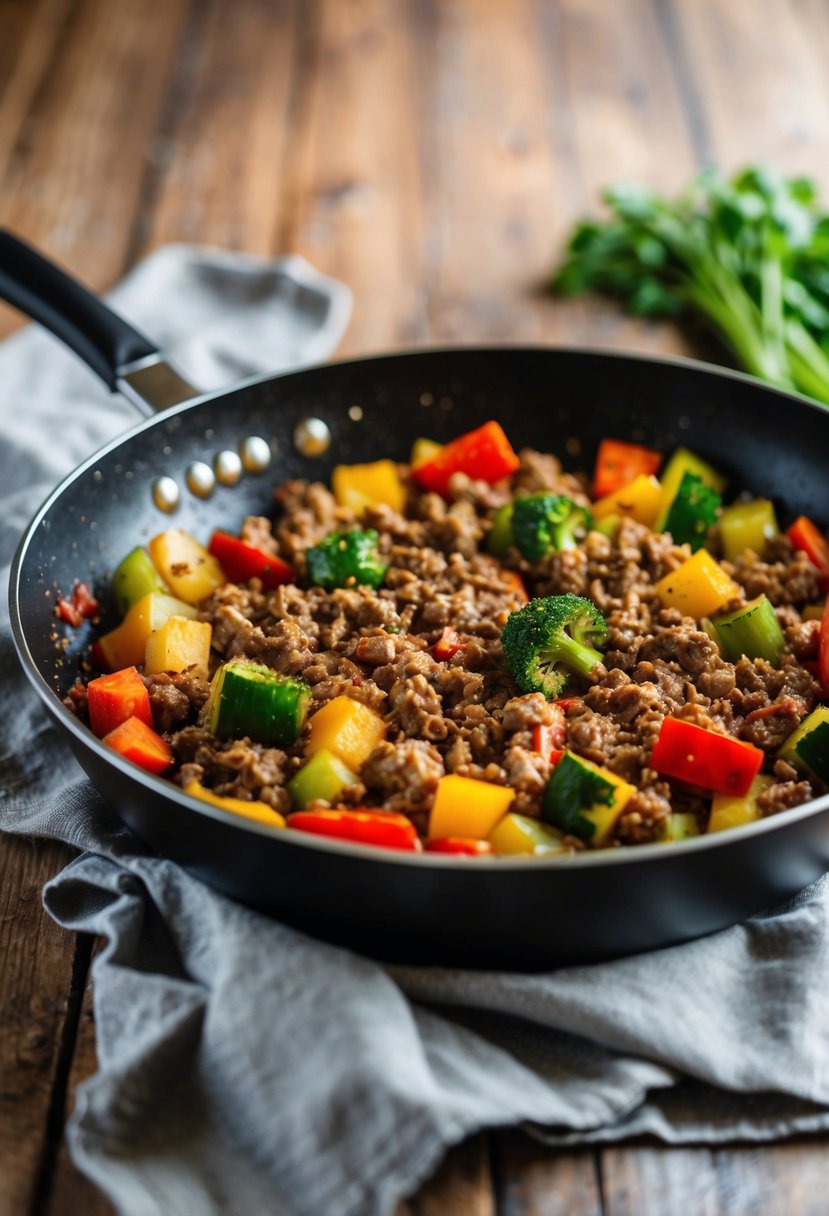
(246, 1068)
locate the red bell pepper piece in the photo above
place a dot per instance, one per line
(565, 704)
(114, 698)
(388, 829)
(136, 741)
(823, 651)
(241, 562)
(448, 644)
(553, 735)
(618, 464)
(806, 536)
(484, 454)
(80, 606)
(460, 846)
(702, 757)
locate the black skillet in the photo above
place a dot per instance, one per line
(518, 914)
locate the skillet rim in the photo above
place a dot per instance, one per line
(588, 860)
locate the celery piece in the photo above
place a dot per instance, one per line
(747, 525)
(135, 577)
(248, 699)
(753, 631)
(323, 778)
(680, 825)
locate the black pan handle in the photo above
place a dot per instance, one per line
(121, 355)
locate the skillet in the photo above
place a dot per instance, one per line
(518, 914)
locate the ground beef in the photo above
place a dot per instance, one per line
(463, 714)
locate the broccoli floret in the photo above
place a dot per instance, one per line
(692, 512)
(548, 640)
(538, 524)
(346, 559)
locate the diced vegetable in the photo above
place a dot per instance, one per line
(484, 454)
(515, 584)
(125, 646)
(346, 559)
(753, 631)
(187, 568)
(699, 587)
(731, 811)
(807, 748)
(516, 834)
(79, 607)
(584, 800)
(640, 500)
(618, 464)
(248, 699)
(806, 536)
(386, 829)
(684, 461)
(260, 812)
(423, 449)
(136, 576)
(448, 644)
(347, 728)
(703, 757)
(460, 846)
(114, 698)
(608, 525)
(681, 825)
(136, 741)
(322, 779)
(181, 644)
(242, 562)
(464, 806)
(552, 736)
(549, 639)
(358, 486)
(538, 524)
(693, 511)
(814, 612)
(747, 525)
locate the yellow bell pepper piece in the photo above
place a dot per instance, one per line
(464, 806)
(365, 485)
(187, 568)
(347, 728)
(814, 612)
(747, 525)
(180, 644)
(422, 450)
(126, 645)
(516, 834)
(728, 811)
(258, 811)
(699, 587)
(684, 461)
(640, 500)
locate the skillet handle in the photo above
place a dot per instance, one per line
(121, 355)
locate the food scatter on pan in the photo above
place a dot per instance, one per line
(478, 653)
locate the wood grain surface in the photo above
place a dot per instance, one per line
(433, 154)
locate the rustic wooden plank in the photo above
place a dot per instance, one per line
(461, 1186)
(29, 39)
(533, 1180)
(773, 1179)
(651, 1181)
(70, 1192)
(36, 968)
(218, 164)
(780, 60)
(73, 181)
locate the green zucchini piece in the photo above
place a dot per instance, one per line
(574, 793)
(807, 748)
(323, 778)
(134, 577)
(753, 631)
(247, 698)
(680, 825)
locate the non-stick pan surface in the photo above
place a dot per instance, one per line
(494, 912)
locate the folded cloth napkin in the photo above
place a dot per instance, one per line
(244, 1067)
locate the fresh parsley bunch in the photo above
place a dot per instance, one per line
(749, 254)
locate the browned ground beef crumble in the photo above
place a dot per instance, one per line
(463, 715)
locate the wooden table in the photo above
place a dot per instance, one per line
(431, 154)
